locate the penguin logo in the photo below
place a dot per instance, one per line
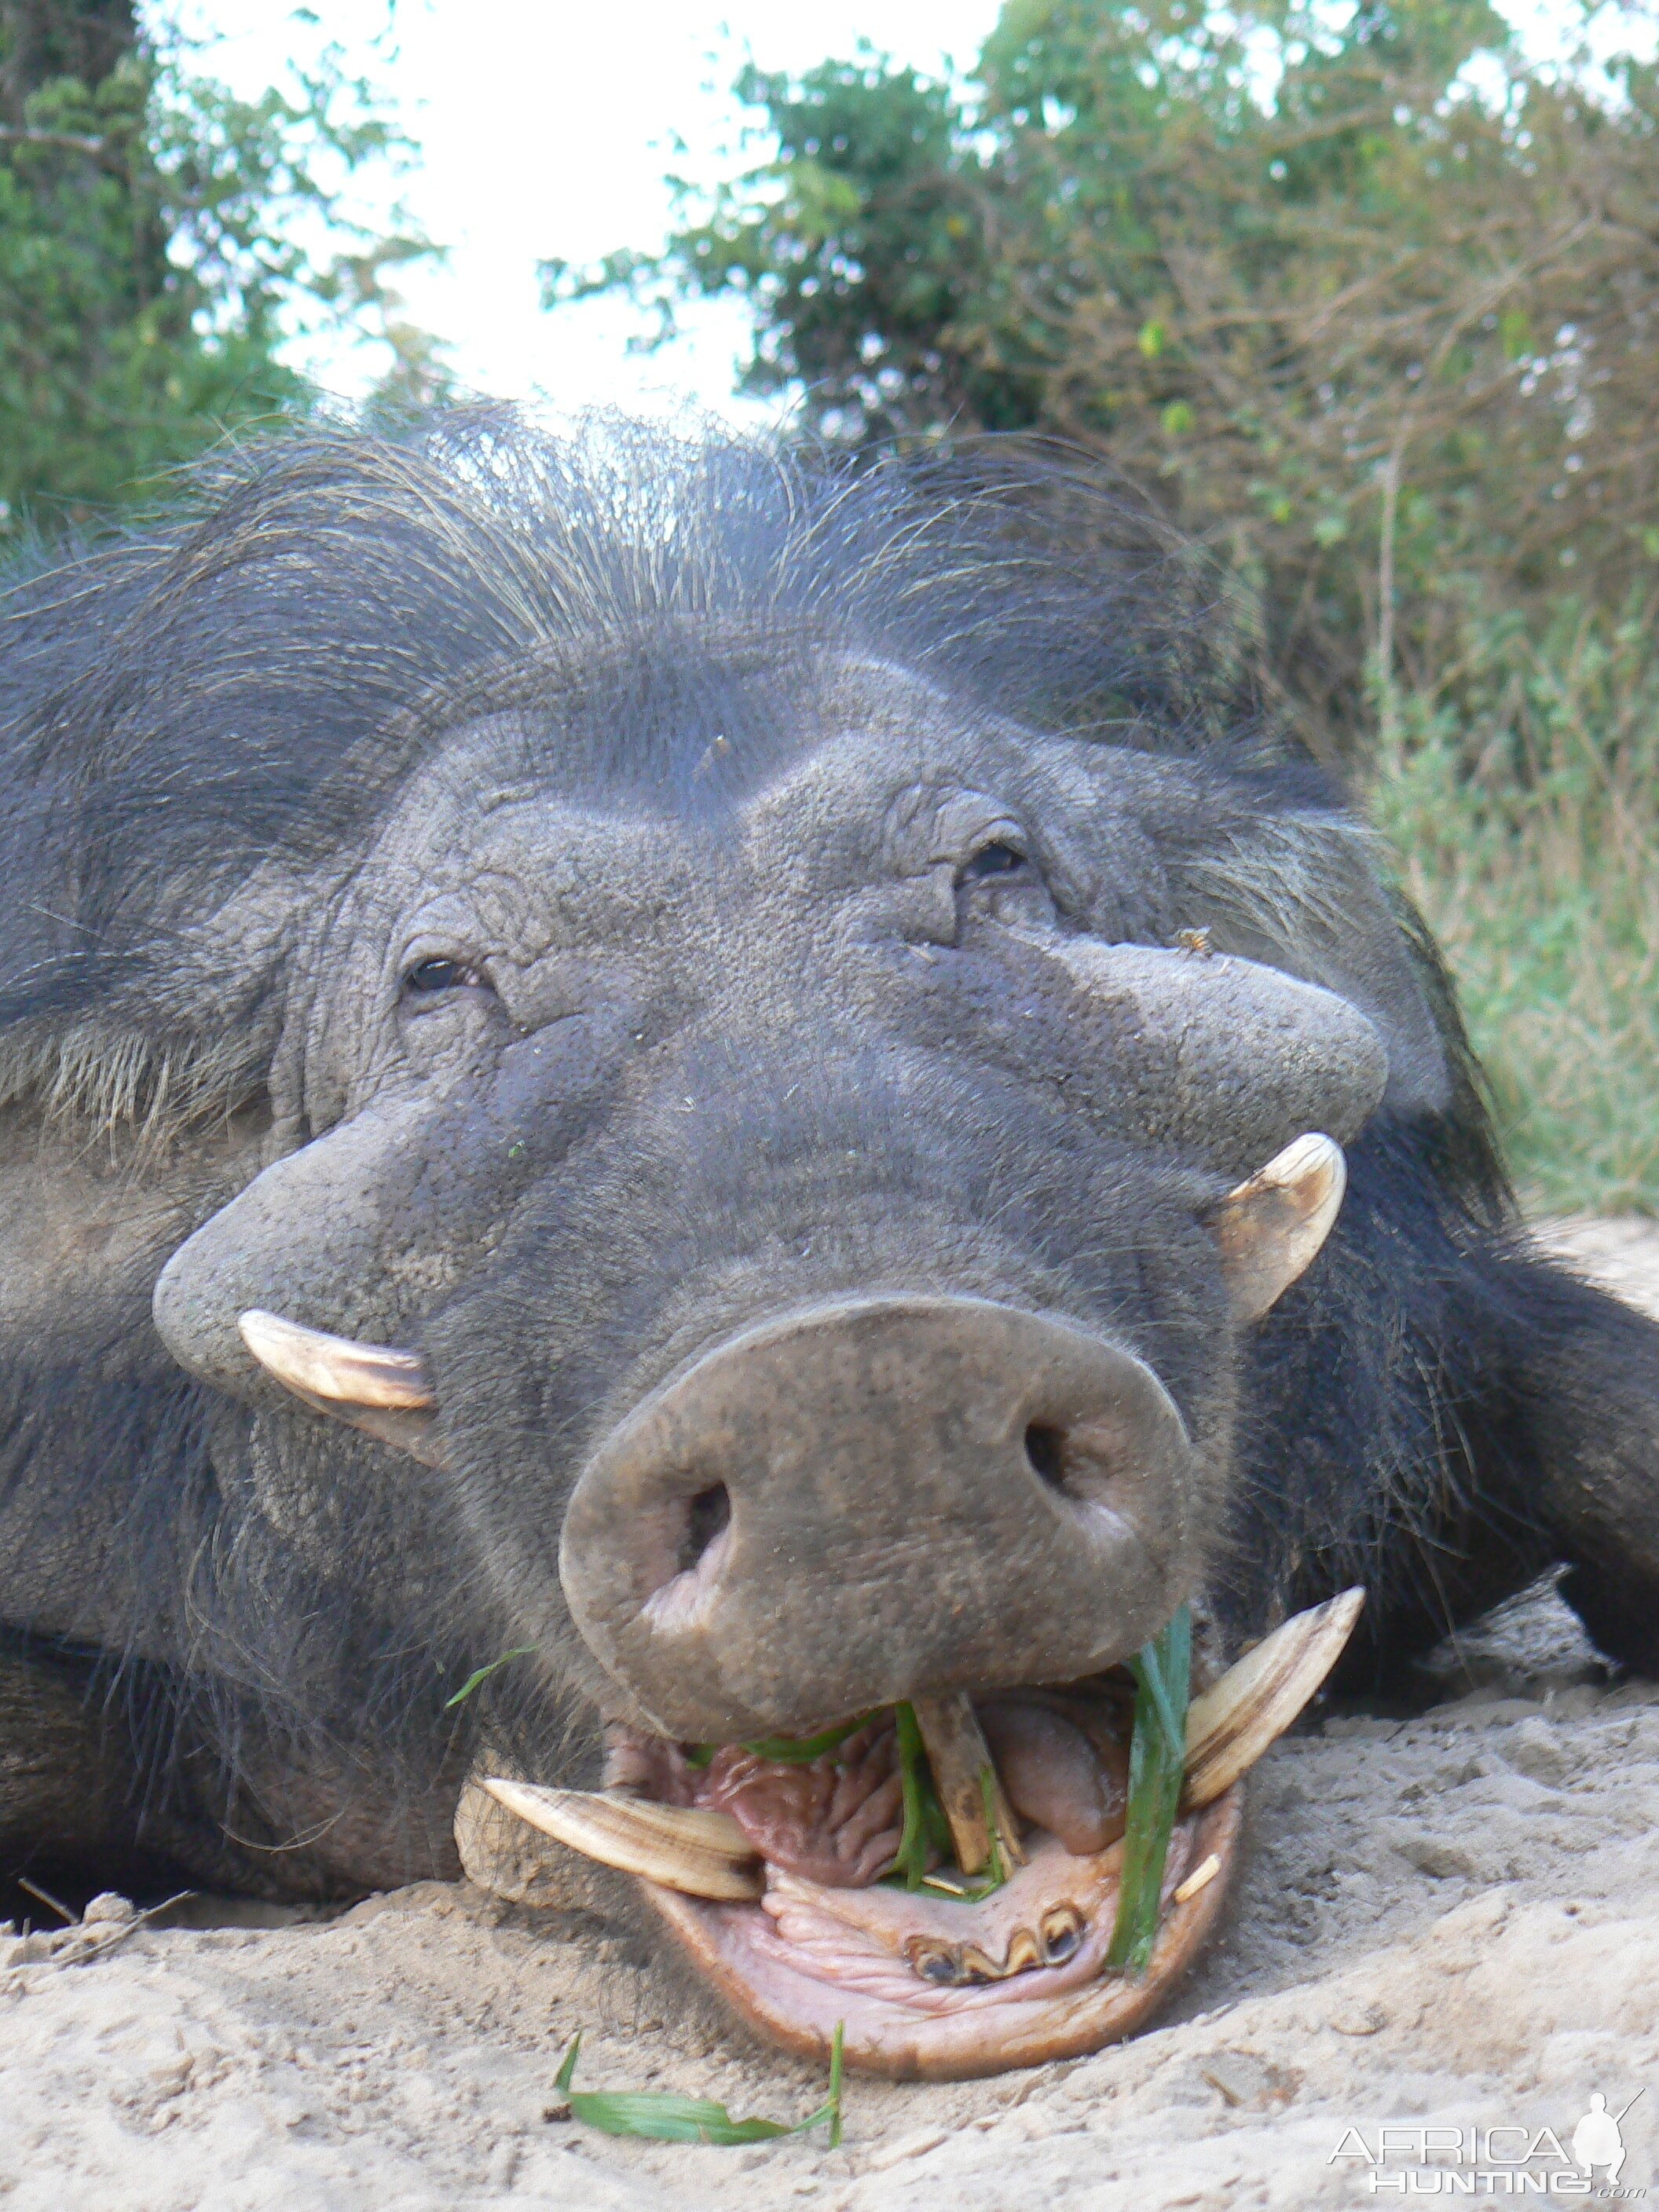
(1596, 2140)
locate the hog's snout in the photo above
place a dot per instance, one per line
(866, 1500)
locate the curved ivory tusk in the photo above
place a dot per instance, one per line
(706, 1854)
(1233, 1723)
(336, 1369)
(1270, 1228)
(701, 1854)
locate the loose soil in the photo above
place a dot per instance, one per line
(1447, 1920)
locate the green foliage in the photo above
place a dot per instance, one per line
(1158, 1767)
(480, 1675)
(158, 238)
(856, 225)
(1367, 304)
(662, 2116)
(1521, 796)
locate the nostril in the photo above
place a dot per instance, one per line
(1085, 1460)
(708, 1512)
(1046, 1449)
(680, 1554)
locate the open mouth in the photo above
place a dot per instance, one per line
(801, 1882)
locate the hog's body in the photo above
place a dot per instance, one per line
(758, 981)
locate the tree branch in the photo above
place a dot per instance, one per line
(73, 141)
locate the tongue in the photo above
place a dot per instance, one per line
(1059, 1768)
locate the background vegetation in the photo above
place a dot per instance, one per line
(1365, 299)
(1369, 303)
(158, 240)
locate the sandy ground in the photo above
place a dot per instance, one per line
(1450, 1921)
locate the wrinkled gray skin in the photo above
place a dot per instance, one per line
(747, 1049)
(787, 1046)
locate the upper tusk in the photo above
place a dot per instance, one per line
(1271, 1228)
(336, 1369)
(1233, 1723)
(702, 1854)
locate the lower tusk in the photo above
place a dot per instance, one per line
(961, 1760)
(701, 1854)
(1233, 1723)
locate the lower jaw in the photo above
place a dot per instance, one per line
(935, 2034)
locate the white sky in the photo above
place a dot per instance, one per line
(545, 129)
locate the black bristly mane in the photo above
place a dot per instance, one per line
(244, 683)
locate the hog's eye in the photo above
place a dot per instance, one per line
(998, 859)
(427, 977)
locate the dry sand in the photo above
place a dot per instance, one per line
(1451, 1920)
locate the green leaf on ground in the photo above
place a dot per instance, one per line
(663, 2116)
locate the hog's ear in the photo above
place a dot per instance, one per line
(1271, 1228)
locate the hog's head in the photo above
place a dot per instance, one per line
(776, 1154)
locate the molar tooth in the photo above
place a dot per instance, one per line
(953, 1965)
(1233, 1723)
(1024, 1953)
(934, 1961)
(1063, 1928)
(699, 1853)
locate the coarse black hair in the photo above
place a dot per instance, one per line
(241, 682)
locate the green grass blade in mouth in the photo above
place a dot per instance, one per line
(786, 1750)
(997, 1873)
(1158, 1766)
(662, 2116)
(799, 1750)
(925, 1828)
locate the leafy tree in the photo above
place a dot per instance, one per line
(154, 252)
(1370, 305)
